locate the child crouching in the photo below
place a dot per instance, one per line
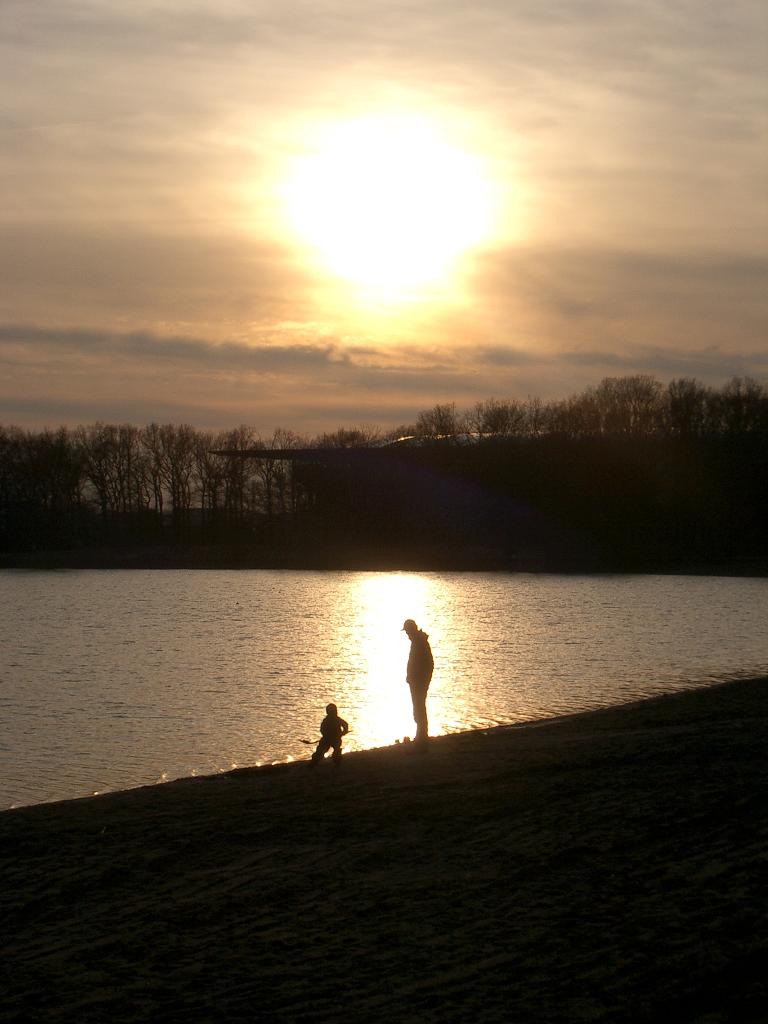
(332, 729)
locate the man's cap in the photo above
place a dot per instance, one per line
(408, 625)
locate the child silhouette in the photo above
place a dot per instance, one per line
(332, 729)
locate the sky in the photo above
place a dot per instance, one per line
(321, 213)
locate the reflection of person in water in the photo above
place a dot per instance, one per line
(419, 674)
(332, 729)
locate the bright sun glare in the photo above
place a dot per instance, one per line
(387, 204)
(383, 601)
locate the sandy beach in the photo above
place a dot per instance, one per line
(609, 866)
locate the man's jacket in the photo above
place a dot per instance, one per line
(420, 661)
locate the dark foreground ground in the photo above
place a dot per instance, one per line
(603, 867)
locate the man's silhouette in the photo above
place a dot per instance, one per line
(419, 674)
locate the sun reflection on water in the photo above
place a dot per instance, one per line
(377, 689)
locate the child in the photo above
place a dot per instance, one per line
(332, 728)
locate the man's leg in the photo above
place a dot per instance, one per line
(419, 699)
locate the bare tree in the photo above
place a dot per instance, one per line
(282, 485)
(238, 473)
(99, 445)
(441, 421)
(628, 405)
(152, 445)
(348, 437)
(173, 457)
(495, 418)
(535, 417)
(558, 417)
(686, 405)
(742, 406)
(208, 474)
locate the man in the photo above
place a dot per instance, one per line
(419, 674)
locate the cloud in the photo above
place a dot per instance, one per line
(148, 349)
(78, 375)
(708, 364)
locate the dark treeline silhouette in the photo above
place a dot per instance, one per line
(627, 474)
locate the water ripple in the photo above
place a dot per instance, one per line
(118, 679)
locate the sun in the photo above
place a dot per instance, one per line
(388, 204)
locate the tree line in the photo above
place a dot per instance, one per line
(636, 405)
(629, 468)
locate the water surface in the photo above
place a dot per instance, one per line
(113, 679)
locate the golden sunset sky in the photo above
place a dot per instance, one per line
(318, 213)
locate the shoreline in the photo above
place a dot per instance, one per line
(599, 866)
(201, 558)
(396, 747)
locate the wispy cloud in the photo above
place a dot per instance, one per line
(79, 375)
(149, 349)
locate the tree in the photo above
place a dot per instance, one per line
(535, 417)
(41, 489)
(628, 405)
(237, 473)
(685, 407)
(99, 450)
(441, 421)
(208, 475)
(493, 418)
(152, 445)
(348, 437)
(743, 406)
(277, 477)
(176, 452)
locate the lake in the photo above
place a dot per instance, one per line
(115, 679)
